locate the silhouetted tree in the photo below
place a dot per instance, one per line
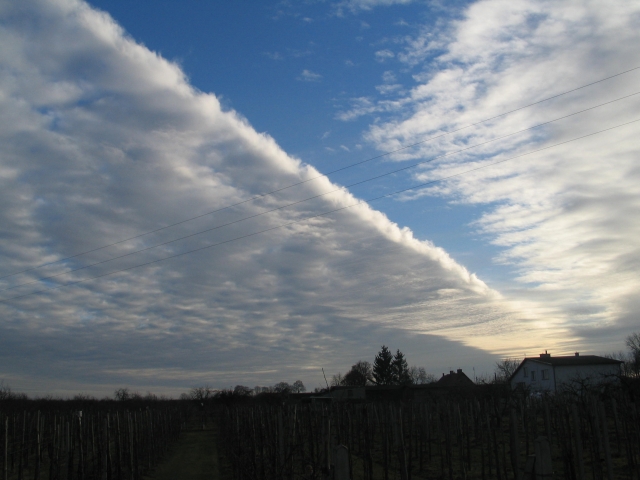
(383, 373)
(5, 391)
(419, 376)
(505, 368)
(200, 394)
(298, 387)
(633, 342)
(401, 374)
(122, 394)
(242, 391)
(282, 387)
(337, 380)
(359, 375)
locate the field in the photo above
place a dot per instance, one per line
(474, 435)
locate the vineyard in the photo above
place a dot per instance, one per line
(452, 437)
(487, 435)
(111, 442)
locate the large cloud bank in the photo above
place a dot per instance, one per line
(102, 140)
(567, 218)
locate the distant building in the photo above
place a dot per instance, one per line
(344, 393)
(454, 379)
(453, 382)
(552, 374)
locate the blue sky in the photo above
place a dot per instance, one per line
(124, 118)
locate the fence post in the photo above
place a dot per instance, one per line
(340, 462)
(514, 444)
(578, 441)
(543, 465)
(36, 475)
(5, 475)
(605, 437)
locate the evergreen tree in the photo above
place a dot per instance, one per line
(383, 367)
(400, 369)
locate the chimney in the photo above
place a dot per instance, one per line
(459, 370)
(545, 355)
(450, 372)
(577, 354)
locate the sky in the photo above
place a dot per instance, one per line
(220, 193)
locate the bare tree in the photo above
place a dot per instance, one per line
(242, 391)
(627, 362)
(201, 394)
(122, 394)
(505, 368)
(633, 342)
(282, 387)
(5, 391)
(419, 376)
(337, 380)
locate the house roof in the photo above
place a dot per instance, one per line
(455, 379)
(567, 361)
(573, 360)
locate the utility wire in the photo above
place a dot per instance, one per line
(277, 227)
(323, 174)
(315, 196)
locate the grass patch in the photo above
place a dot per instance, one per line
(194, 457)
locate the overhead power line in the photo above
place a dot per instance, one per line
(360, 182)
(294, 222)
(256, 197)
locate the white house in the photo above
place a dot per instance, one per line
(551, 374)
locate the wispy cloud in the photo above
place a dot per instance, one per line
(384, 55)
(356, 5)
(564, 217)
(274, 55)
(309, 76)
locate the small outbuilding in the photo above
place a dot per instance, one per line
(552, 374)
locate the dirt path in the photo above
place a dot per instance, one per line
(194, 457)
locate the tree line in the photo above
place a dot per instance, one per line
(387, 369)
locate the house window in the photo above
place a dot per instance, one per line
(533, 376)
(545, 374)
(526, 372)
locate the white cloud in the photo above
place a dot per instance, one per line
(384, 55)
(389, 77)
(366, 105)
(309, 76)
(566, 218)
(102, 140)
(274, 55)
(355, 5)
